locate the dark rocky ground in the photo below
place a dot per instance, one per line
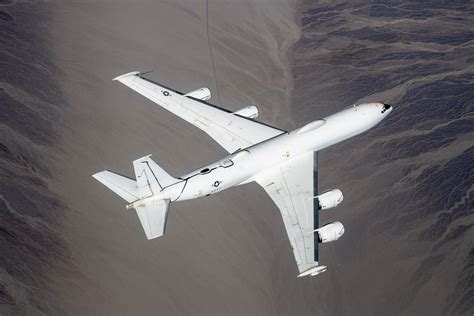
(32, 249)
(408, 208)
(65, 244)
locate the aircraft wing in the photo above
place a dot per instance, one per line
(292, 187)
(231, 131)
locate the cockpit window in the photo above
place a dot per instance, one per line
(386, 107)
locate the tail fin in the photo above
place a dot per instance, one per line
(125, 187)
(151, 178)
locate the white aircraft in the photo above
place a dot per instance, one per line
(284, 163)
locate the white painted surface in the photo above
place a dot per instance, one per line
(281, 162)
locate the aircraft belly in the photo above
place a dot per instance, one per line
(215, 177)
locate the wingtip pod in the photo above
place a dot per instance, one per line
(133, 73)
(313, 271)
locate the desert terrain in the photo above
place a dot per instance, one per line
(69, 246)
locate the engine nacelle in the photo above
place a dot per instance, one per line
(201, 94)
(250, 112)
(330, 232)
(330, 199)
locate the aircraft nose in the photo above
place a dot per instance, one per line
(386, 107)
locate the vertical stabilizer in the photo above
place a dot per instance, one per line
(151, 178)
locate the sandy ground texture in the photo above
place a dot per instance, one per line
(67, 244)
(221, 254)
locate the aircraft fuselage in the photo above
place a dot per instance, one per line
(244, 165)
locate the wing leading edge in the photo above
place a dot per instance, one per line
(231, 131)
(292, 187)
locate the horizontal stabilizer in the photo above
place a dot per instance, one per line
(125, 187)
(153, 216)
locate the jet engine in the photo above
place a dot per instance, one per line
(330, 232)
(201, 94)
(250, 112)
(330, 199)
